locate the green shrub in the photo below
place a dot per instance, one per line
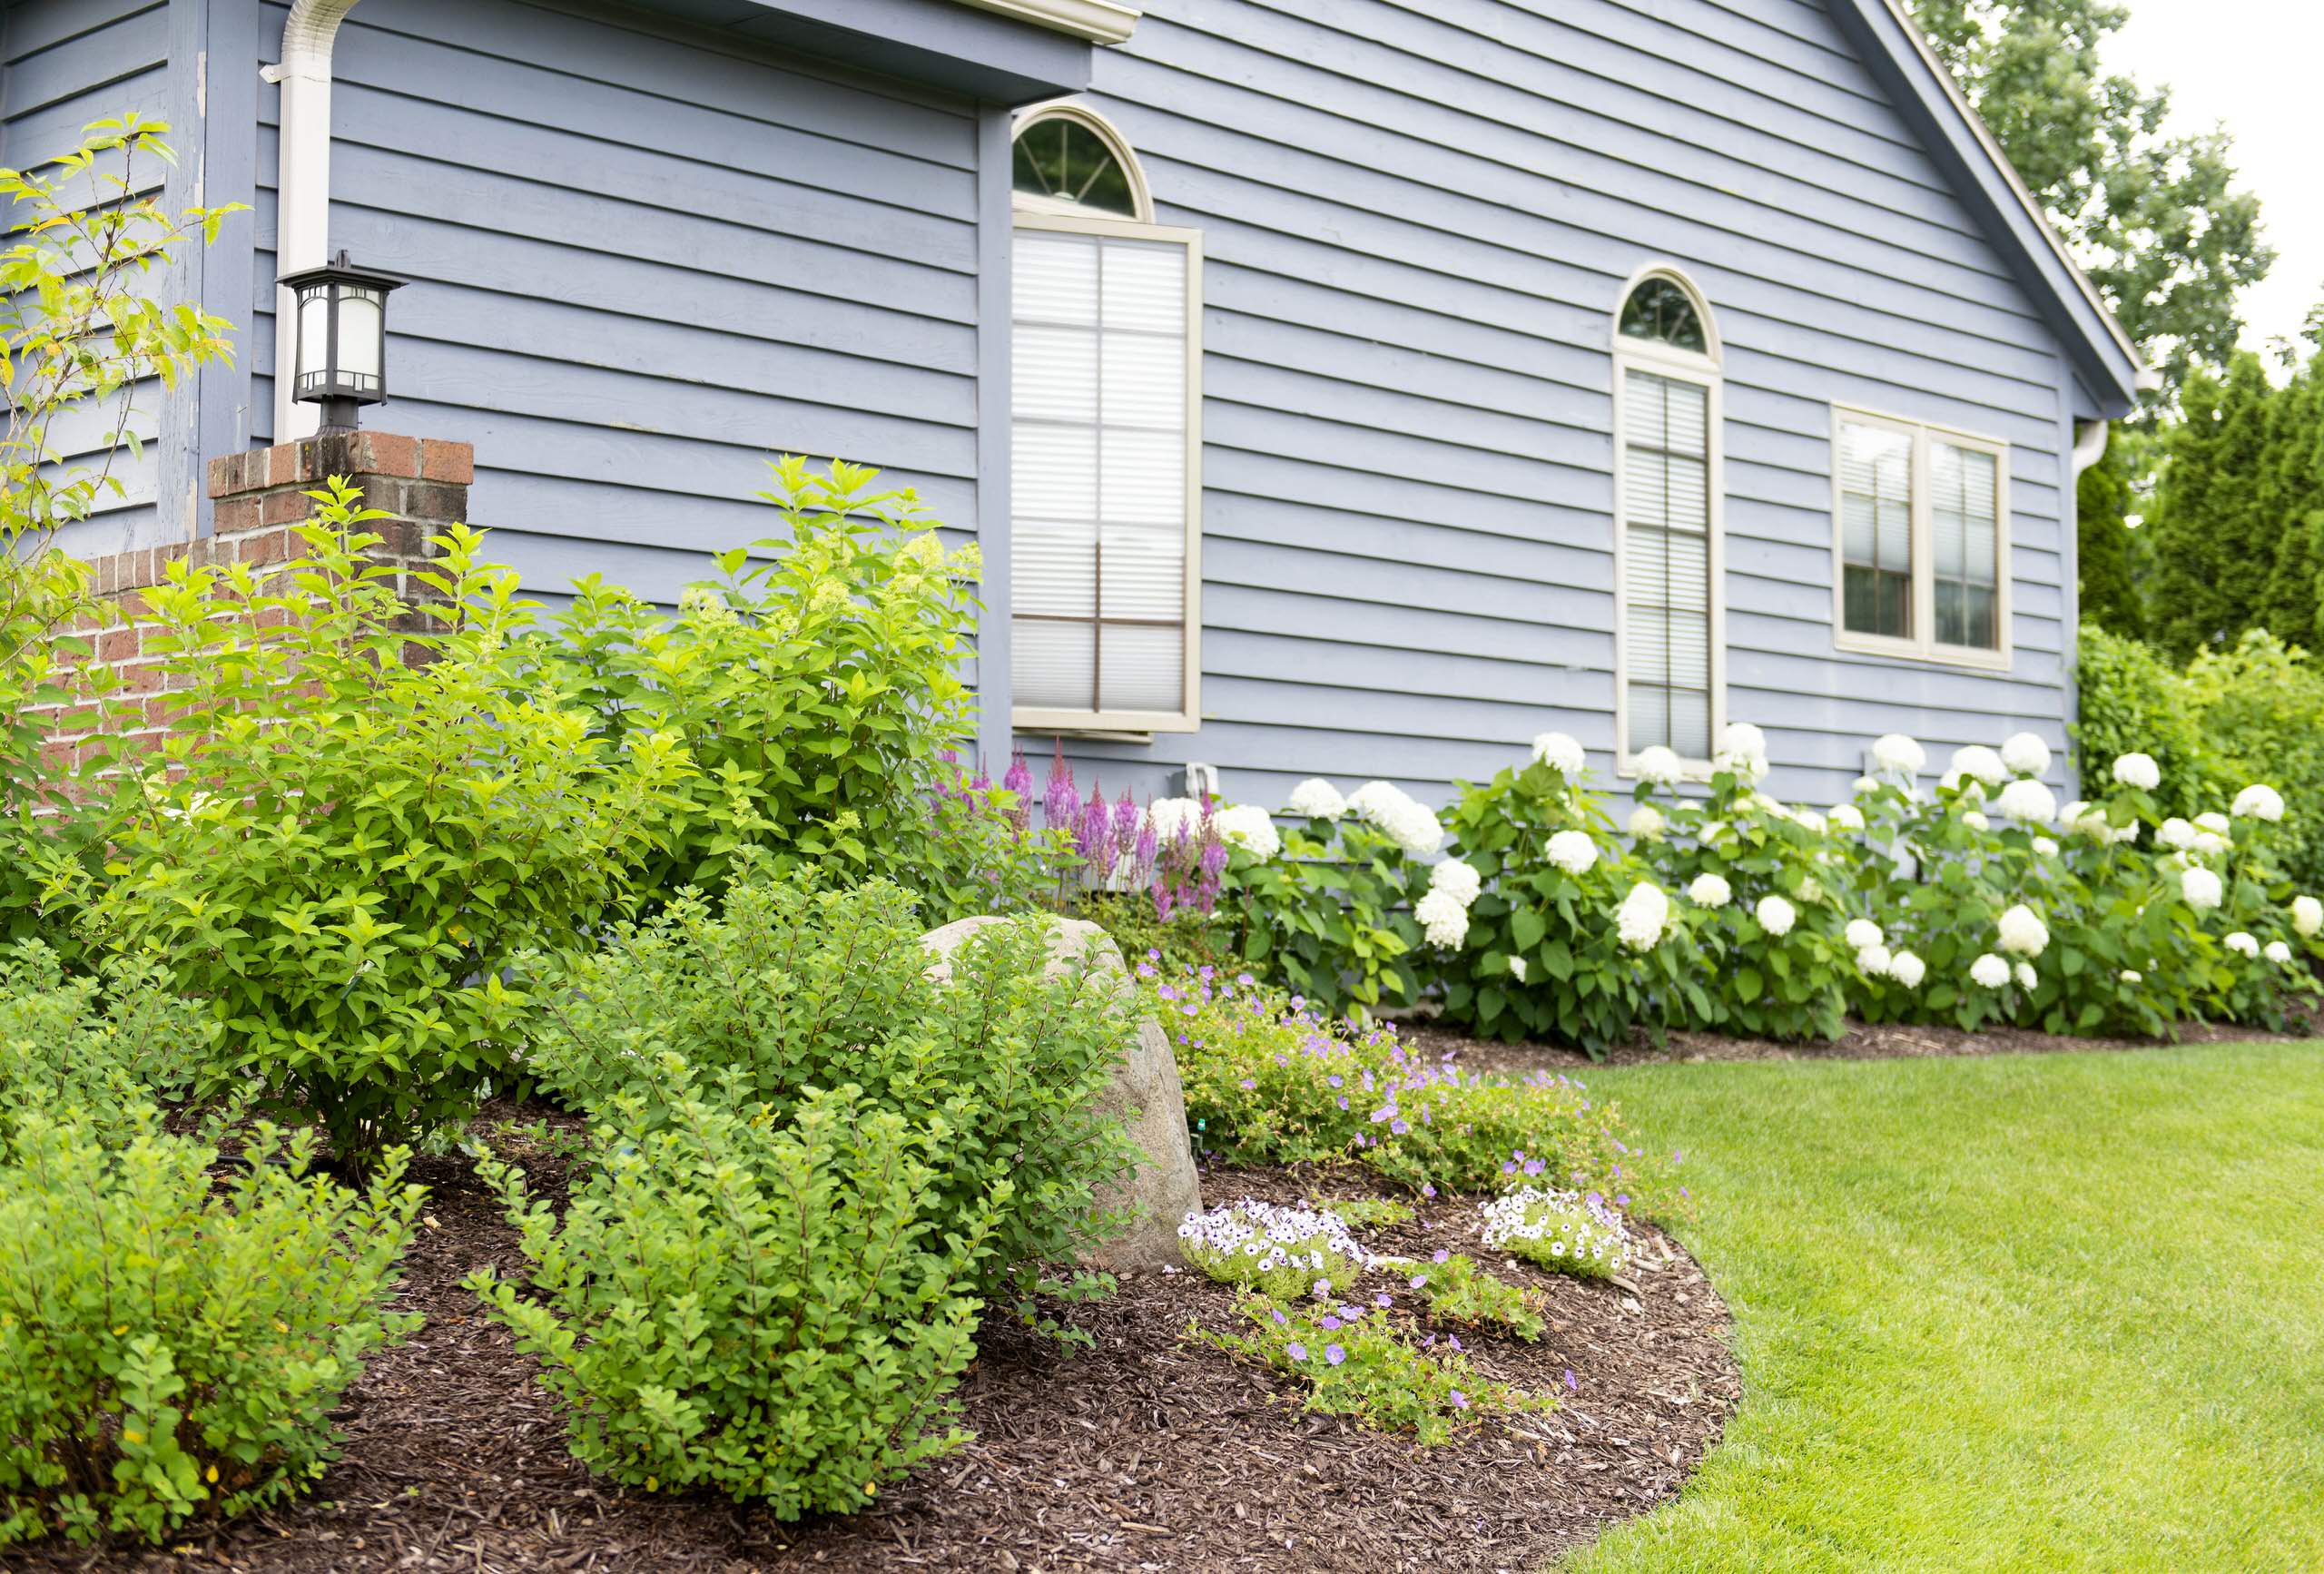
(1328, 912)
(172, 1343)
(758, 1304)
(338, 848)
(2130, 699)
(107, 1044)
(818, 690)
(794, 986)
(1458, 1291)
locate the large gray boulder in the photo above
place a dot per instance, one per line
(1145, 1089)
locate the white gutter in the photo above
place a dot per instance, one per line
(1099, 21)
(301, 186)
(2089, 445)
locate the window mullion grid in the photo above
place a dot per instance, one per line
(1924, 546)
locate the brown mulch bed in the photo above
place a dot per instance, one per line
(1146, 1452)
(1857, 1041)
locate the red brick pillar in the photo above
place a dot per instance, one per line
(260, 497)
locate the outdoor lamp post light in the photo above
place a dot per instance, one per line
(342, 339)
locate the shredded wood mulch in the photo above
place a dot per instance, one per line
(1148, 1451)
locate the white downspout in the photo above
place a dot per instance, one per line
(2089, 445)
(301, 186)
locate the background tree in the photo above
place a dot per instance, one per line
(2217, 527)
(2108, 551)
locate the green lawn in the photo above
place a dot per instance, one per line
(2057, 1311)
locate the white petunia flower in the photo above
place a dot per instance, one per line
(1573, 851)
(1647, 822)
(1907, 969)
(1862, 933)
(2025, 754)
(1658, 763)
(1989, 972)
(1641, 916)
(2243, 944)
(2028, 802)
(2212, 820)
(2175, 833)
(1248, 826)
(2023, 932)
(1710, 891)
(2138, 770)
(2307, 916)
(2026, 977)
(1775, 915)
(1898, 754)
(1317, 799)
(2201, 886)
(1977, 760)
(1561, 752)
(1458, 879)
(1445, 919)
(2259, 801)
(1847, 817)
(1873, 961)
(1517, 969)
(2277, 951)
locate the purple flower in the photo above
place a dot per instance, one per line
(1330, 1323)
(1454, 1340)
(1019, 779)
(1382, 1301)
(1060, 800)
(1427, 1189)
(1279, 1317)
(1621, 1199)
(1298, 1352)
(1398, 1127)
(1441, 1254)
(1572, 1384)
(1125, 818)
(1460, 1399)
(1335, 1354)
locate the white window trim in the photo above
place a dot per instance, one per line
(1924, 646)
(1705, 370)
(1034, 213)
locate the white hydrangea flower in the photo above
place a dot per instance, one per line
(2046, 847)
(2175, 833)
(1561, 752)
(1443, 917)
(2243, 944)
(1411, 825)
(1873, 961)
(2138, 770)
(2201, 886)
(1862, 785)
(1710, 891)
(1896, 752)
(2277, 951)
(1710, 830)
(1452, 876)
(1517, 969)
(1847, 817)
(1250, 827)
(1979, 763)
(1811, 820)
(1172, 815)
(1976, 821)
(1775, 915)
(1907, 969)
(2307, 916)
(1862, 933)
(1989, 972)
(1641, 916)
(1743, 749)
(2023, 932)
(2124, 834)
(1811, 889)
(2133, 976)
(2210, 844)
(1573, 851)
(2213, 821)
(1317, 799)
(1372, 799)
(2028, 802)
(2259, 801)
(1658, 763)
(1647, 823)
(2026, 977)
(2025, 754)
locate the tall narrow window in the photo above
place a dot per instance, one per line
(1668, 666)
(1105, 541)
(1922, 539)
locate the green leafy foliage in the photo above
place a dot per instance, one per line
(794, 986)
(1366, 1213)
(341, 845)
(1328, 917)
(1458, 1291)
(172, 1347)
(760, 1305)
(108, 1044)
(815, 683)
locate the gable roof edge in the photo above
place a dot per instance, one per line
(2094, 340)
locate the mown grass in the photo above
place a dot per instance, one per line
(2059, 1311)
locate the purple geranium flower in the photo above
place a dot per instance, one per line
(1335, 1354)
(1298, 1352)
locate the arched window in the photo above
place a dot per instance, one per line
(1106, 431)
(1668, 664)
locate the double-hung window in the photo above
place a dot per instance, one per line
(1920, 540)
(1669, 669)
(1106, 439)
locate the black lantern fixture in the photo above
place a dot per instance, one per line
(342, 339)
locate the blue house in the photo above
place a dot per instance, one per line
(1351, 389)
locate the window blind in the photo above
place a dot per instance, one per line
(1666, 555)
(1876, 530)
(1099, 536)
(1964, 533)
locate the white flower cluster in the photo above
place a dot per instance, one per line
(1899, 755)
(1172, 815)
(1317, 799)
(1743, 749)
(2259, 801)
(1285, 1251)
(1562, 753)
(1647, 823)
(1775, 915)
(2201, 886)
(1409, 823)
(1573, 851)
(1989, 972)
(2028, 802)
(1642, 918)
(1443, 911)
(1571, 1231)
(2023, 932)
(1710, 890)
(1847, 817)
(2138, 770)
(1251, 828)
(2025, 754)
(1976, 763)
(2307, 916)
(1658, 763)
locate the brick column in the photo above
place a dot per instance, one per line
(259, 497)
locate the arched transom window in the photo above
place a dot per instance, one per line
(1105, 497)
(1668, 666)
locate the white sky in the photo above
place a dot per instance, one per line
(2250, 64)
